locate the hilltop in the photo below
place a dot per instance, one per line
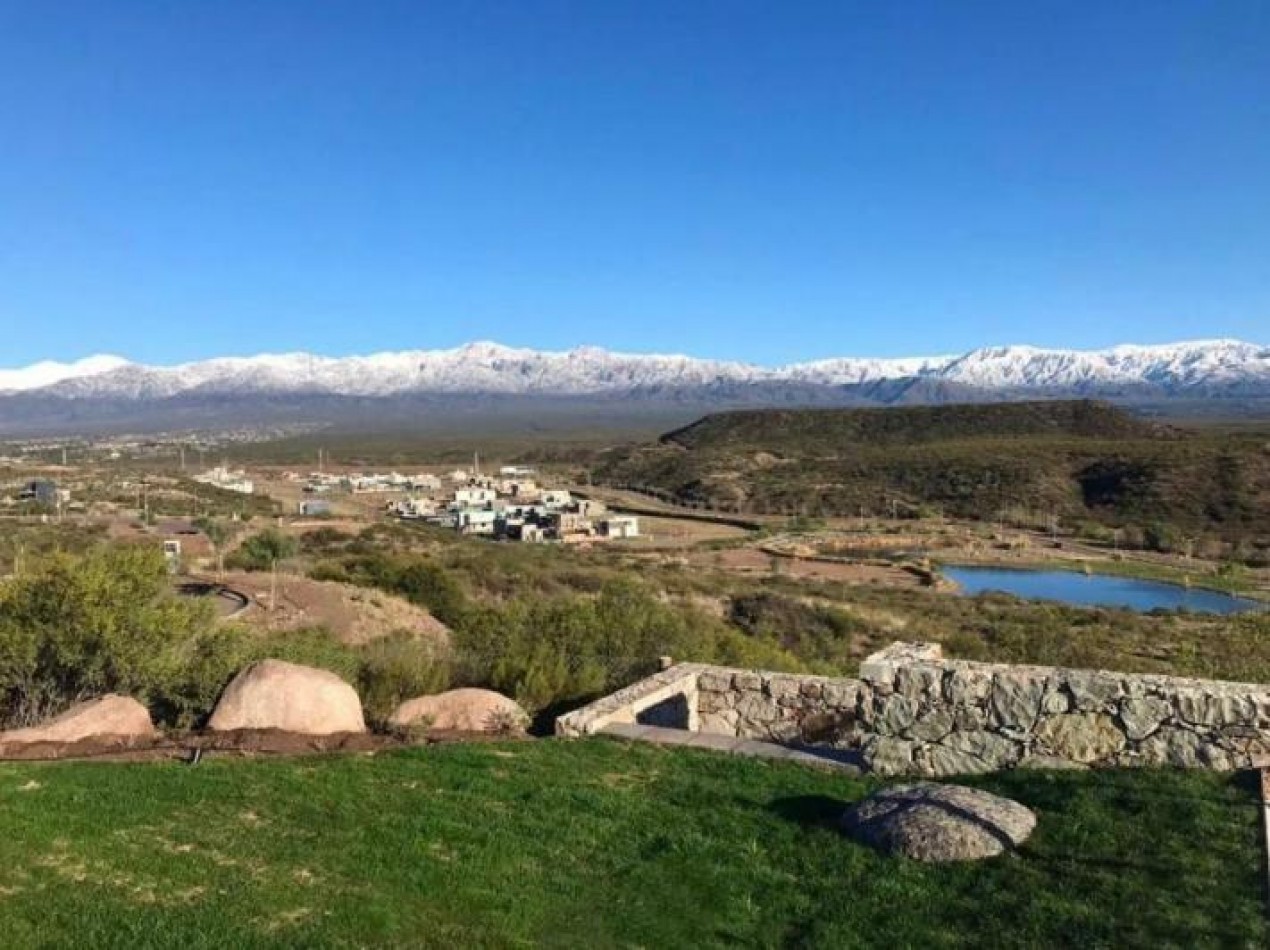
(1077, 460)
(821, 431)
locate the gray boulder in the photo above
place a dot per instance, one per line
(932, 822)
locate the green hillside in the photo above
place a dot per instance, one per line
(815, 431)
(1074, 460)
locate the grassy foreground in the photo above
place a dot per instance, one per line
(596, 843)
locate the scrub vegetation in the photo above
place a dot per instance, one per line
(1083, 464)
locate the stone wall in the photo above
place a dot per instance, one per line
(913, 712)
(657, 700)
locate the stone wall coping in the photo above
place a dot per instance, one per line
(631, 699)
(1160, 682)
(929, 656)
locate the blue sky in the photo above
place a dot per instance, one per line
(763, 181)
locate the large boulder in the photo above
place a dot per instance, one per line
(462, 710)
(272, 694)
(931, 822)
(107, 717)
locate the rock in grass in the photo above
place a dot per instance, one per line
(107, 717)
(463, 710)
(272, 694)
(932, 822)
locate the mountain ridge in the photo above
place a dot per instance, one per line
(483, 382)
(1200, 367)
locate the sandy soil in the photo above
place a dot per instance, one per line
(754, 561)
(656, 531)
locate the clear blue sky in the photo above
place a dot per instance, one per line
(763, 181)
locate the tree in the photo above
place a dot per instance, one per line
(262, 551)
(220, 533)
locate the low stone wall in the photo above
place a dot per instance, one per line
(668, 698)
(913, 712)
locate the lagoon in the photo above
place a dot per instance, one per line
(1096, 590)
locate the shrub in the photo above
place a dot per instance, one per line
(105, 621)
(418, 580)
(813, 632)
(1163, 537)
(312, 646)
(397, 668)
(261, 551)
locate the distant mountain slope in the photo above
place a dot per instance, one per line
(490, 368)
(821, 431)
(110, 392)
(1077, 460)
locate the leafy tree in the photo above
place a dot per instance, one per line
(221, 533)
(262, 551)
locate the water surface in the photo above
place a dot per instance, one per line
(1096, 590)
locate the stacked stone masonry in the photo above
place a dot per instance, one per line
(911, 712)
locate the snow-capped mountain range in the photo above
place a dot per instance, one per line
(1199, 368)
(486, 382)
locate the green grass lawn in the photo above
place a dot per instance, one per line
(597, 843)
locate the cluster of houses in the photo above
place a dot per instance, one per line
(224, 478)
(513, 507)
(357, 483)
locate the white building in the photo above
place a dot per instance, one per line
(476, 520)
(620, 526)
(556, 498)
(474, 496)
(221, 477)
(411, 508)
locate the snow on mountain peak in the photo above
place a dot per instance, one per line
(488, 367)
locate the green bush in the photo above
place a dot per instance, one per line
(396, 668)
(105, 621)
(262, 551)
(810, 631)
(1163, 537)
(76, 626)
(418, 580)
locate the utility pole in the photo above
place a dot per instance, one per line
(182, 449)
